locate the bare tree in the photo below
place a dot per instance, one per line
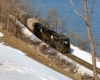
(51, 19)
(62, 24)
(87, 22)
(10, 7)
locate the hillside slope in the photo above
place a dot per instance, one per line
(30, 51)
(15, 65)
(70, 67)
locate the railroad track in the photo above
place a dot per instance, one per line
(78, 60)
(82, 62)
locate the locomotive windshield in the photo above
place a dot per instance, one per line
(66, 42)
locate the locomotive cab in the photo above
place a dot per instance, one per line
(64, 44)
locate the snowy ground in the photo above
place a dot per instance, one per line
(83, 55)
(76, 51)
(14, 65)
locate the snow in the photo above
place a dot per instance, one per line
(1, 34)
(21, 26)
(79, 68)
(75, 51)
(83, 55)
(14, 65)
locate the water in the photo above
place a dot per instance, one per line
(65, 11)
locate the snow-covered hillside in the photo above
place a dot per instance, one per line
(74, 51)
(15, 65)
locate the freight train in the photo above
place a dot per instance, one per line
(57, 41)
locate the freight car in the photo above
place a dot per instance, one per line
(60, 42)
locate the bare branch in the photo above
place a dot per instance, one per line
(87, 22)
(75, 9)
(92, 9)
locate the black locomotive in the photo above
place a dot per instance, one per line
(60, 42)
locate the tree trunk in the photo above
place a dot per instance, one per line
(90, 39)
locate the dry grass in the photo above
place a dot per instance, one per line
(31, 51)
